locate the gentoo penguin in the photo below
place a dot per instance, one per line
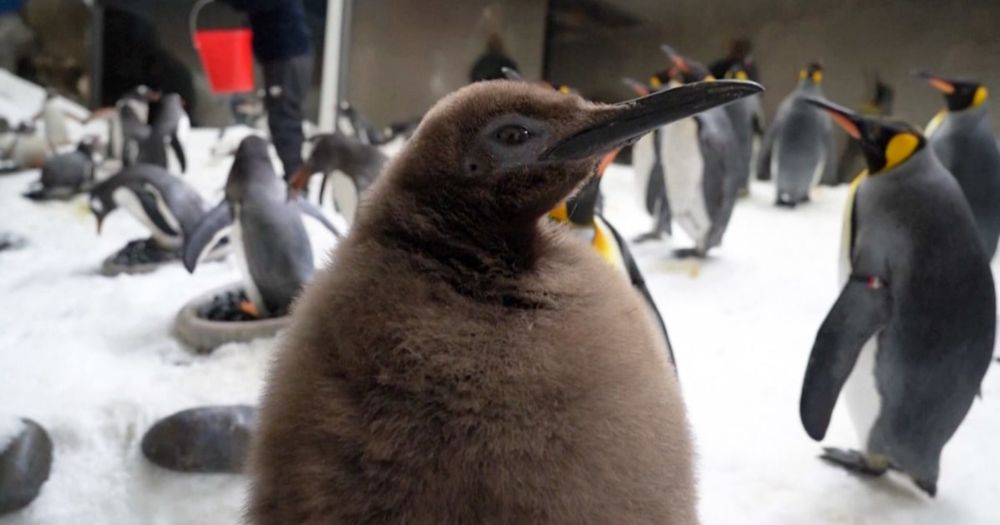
(167, 123)
(127, 123)
(265, 228)
(702, 167)
(879, 104)
(22, 147)
(465, 360)
(66, 174)
(580, 213)
(54, 121)
(352, 165)
(647, 163)
(798, 148)
(160, 201)
(912, 332)
(962, 137)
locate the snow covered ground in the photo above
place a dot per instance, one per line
(93, 360)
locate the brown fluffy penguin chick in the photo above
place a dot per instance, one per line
(462, 360)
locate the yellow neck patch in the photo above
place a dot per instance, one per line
(980, 96)
(900, 148)
(741, 75)
(654, 82)
(803, 74)
(817, 77)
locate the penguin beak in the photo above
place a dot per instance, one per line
(675, 58)
(512, 74)
(623, 123)
(606, 161)
(850, 121)
(100, 223)
(941, 84)
(638, 87)
(300, 180)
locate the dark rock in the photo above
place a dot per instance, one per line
(211, 439)
(24, 467)
(144, 251)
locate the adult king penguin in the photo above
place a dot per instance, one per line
(912, 332)
(463, 359)
(647, 162)
(266, 229)
(702, 166)
(962, 137)
(798, 147)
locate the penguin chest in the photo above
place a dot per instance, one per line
(239, 247)
(345, 195)
(143, 212)
(684, 170)
(861, 392)
(643, 161)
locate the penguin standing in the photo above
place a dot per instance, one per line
(852, 159)
(798, 148)
(647, 162)
(463, 359)
(163, 203)
(66, 174)
(353, 166)
(54, 120)
(912, 332)
(747, 117)
(702, 166)
(962, 137)
(167, 123)
(265, 228)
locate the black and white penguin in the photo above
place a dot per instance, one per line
(651, 182)
(265, 229)
(962, 137)
(66, 174)
(160, 201)
(54, 122)
(168, 123)
(747, 116)
(911, 335)
(349, 165)
(798, 149)
(701, 164)
(463, 359)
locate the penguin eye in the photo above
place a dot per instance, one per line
(513, 135)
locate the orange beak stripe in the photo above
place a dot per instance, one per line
(941, 85)
(606, 161)
(301, 178)
(850, 127)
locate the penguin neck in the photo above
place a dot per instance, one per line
(971, 113)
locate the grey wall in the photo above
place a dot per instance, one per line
(849, 36)
(404, 55)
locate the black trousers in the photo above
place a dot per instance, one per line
(287, 84)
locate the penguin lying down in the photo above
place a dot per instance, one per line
(162, 202)
(265, 230)
(65, 175)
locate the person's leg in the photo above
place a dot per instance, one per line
(287, 83)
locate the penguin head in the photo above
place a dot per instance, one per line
(737, 71)
(252, 162)
(959, 93)
(514, 150)
(886, 143)
(811, 74)
(683, 69)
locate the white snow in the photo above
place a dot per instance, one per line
(10, 427)
(92, 359)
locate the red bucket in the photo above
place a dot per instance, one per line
(227, 57)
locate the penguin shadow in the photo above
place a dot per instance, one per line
(890, 484)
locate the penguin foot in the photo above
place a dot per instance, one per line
(686, 253)
(928, 487)
(785, 204)
(650, 236)
(855, 461)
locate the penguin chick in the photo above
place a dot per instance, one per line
(911, 335)
(456, 362)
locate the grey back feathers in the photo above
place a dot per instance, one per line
(181, 201)
(798, 148)
(966, 145)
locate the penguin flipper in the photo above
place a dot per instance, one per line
(175, 143)
(308, 209)
(639, 282)
(210, 230)
(859, 313)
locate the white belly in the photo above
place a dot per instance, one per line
(345, 195)
(684, 170)
(126, 199)
(249, 286)
(819, 169)
(643, 156)
(860, 393)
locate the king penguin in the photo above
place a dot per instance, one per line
(349, 164)
(962, 137)
(747, 116)
(266, 229)
(702, 164)
(651, 182)
(465, 360)
(879, 104)
(912, 332)
(798, 148)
